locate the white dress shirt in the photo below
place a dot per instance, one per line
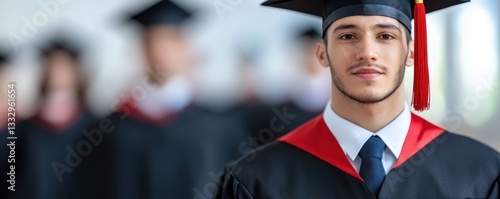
(171, 97)
(352, 137)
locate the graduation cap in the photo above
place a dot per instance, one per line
(60, 44)
(4, 57)
(402, 10)
(162, 13)
(64, 38)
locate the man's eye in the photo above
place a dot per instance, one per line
(386, 36)
(347, 37)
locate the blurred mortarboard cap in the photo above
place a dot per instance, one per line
(332, 10)
(249, 51)
(402, 10)
(4, 56)
(161, 13)
(309, 33)
(61, 42)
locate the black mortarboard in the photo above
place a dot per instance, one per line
(4, 57)
(402, 10)
(60, 45)
(62, 41)
(331, 10)
(163, 12)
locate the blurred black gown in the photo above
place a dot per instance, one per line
(266, 123)
(38, 146)
(181, 155)
(4, 154)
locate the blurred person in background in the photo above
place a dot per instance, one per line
(161, 145)
(310, 90)
(60, 117)
(251, 109)
(308, 94)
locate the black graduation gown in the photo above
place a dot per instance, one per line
(258, 119)
(309, 163)
(300, 115)
(38, 147)
(4, 154)
(254, 117)
(174, 157)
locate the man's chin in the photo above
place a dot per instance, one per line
(368, 97)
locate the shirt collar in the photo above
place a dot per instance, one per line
(352, 137)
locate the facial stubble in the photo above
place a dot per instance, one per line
(364, 98)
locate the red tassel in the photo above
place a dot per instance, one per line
(421, 91)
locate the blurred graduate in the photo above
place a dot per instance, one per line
(310, 90)
(60, 117)
(253, 111)
(162, 144)
(306, 96)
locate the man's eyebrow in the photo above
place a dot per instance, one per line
(345, 26)
(387, 26)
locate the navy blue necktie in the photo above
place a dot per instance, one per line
(372, 171)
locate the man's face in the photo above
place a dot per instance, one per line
(367, 56)
(166, 52)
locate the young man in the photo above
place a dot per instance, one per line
(57, 123)
(367, 143)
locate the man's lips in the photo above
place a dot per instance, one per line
(367, 73)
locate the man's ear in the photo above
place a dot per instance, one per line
(321, 54)
(410, 60)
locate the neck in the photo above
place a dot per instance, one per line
(161, 81)
(372, 117)
(59, 108)
(157, 81)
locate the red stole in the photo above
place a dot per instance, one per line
(315, 138)
(129, 109)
